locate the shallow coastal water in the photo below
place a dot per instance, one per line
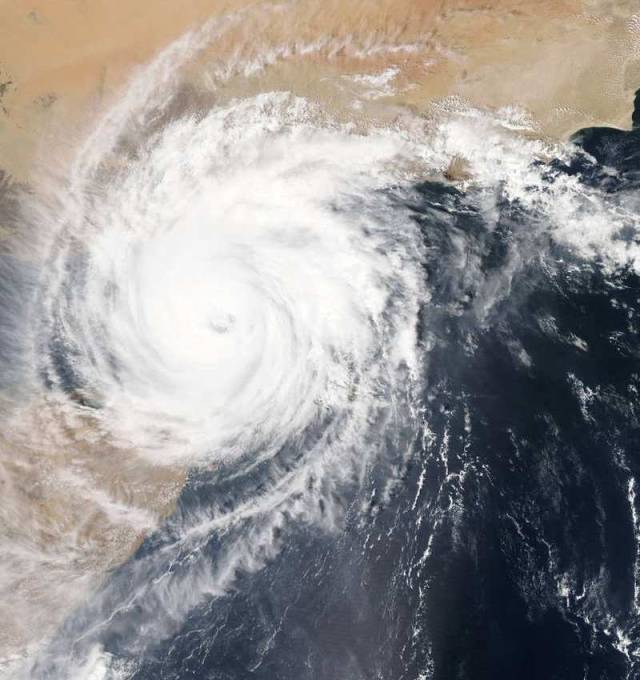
(347, 363)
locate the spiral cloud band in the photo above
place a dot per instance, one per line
(239, 281)
(242, 292)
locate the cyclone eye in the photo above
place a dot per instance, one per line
(221, 323)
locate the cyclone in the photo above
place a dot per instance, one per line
(243, 280)
(236, 293)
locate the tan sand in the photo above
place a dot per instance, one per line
(568, 62)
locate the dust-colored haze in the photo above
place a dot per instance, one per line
(72, 509)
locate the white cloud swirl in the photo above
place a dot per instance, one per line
(240, 280)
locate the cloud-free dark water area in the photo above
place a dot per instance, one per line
(506, 545)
